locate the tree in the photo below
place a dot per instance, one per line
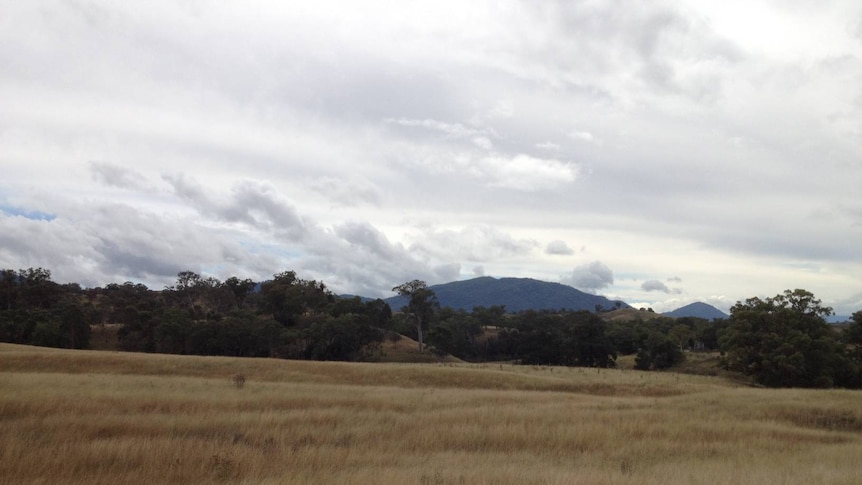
(681, 334)
(588, 341)
(287, 297)
(455, 333)
(659, 352)
(422, 303)
(784, 341)
(853, 334)
(240, 289)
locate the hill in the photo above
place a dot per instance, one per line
(699, 310)
(629, 314)
(517, 294)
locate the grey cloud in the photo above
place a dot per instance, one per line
(559, 248)
(254, 203)
(345, 192)
(115, 242)
(368, 240)
(359, 257)
(57, 245)
(675, 279)
(478, 271)
(480, 112)
(472, 243)
(446, 272)
(656, 285)
(117, 176)
(351, 256)
(590, 277)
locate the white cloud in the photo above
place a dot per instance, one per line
(455, 130)
(524, 172)
(548, 146)
(583, 136)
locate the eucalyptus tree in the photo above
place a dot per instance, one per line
(421, 304)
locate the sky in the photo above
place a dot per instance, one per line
(657, 152)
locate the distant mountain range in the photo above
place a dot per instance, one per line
(699, 310)
(517, 294)
(520, 294)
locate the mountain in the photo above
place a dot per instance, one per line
(517, 294)
(699, 310)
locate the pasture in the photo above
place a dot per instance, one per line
(91, 417)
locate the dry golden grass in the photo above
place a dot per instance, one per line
(89, 417)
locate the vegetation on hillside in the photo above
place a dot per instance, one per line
(782, 341)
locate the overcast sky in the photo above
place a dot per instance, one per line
(657, 152)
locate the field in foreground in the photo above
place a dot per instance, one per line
(92, 417)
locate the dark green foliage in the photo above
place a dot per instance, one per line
(572, 339)
(422, 305)
(780, 341)
(37, 311)
(658, 352)
(240, 289)
(287, 297)
(785, 341)
(456, 333)
(853, 333)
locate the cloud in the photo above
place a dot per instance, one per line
(583, 136)
(476, 243)
(357, 257)
(117, 176)
(675, 279)
(117, 242)
(497, 170)
(478, 271)
(548, 146)
(559, 248)
(590, 277)
(656, 285)
(525, 172)
(454, 130)
(256, 204)
(346, 192)
(552, 119)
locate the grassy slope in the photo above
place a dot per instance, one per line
(104, 418)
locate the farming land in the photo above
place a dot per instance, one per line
(101, 417)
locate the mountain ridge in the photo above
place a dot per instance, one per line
(697, 309)
(516, 294)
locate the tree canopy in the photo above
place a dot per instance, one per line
(785, 341)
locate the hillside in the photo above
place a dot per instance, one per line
(699, 310)
(517, 294)
(629, 314)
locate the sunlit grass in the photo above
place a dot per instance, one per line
(106, 418)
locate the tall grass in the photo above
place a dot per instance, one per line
(105, 418)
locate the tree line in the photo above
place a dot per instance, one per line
(780, 341)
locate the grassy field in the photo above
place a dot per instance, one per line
(89, 417)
